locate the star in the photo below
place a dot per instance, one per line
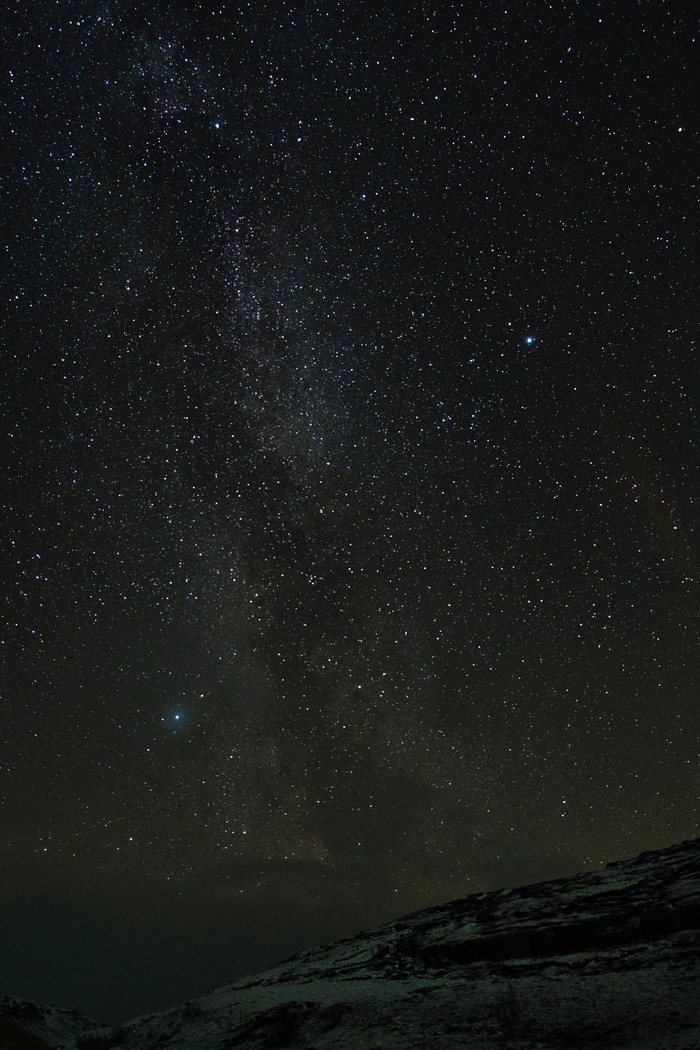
(298, 540)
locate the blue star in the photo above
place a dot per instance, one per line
(177, 720)
(529, 340)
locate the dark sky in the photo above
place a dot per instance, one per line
(351, 489)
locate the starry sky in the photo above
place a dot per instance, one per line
(349, 514)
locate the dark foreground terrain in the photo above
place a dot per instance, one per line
(601, 960)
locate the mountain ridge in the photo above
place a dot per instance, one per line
(608, 957)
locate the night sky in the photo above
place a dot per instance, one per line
(350, 512)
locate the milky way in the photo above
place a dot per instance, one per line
(349, 528)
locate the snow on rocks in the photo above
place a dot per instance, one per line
(604, 959)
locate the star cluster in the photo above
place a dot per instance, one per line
(350, 411)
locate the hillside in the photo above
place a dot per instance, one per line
(603, 959)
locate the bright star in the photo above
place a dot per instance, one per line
(529, 340)
(177, 720)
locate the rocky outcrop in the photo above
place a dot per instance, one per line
(604, 959)
(653, 896)
(36, 1026)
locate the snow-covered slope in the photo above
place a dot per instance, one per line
(29, 1025)
(608, 958)
(605, 959)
